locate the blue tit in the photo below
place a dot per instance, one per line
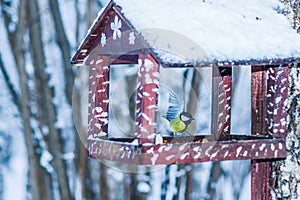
(179, 120)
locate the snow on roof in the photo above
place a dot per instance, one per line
(219, 30)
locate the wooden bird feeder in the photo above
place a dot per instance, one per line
(118, 36)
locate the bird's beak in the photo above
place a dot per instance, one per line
(193, 118)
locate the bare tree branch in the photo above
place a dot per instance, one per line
(62, 41)
(37, 184)
(47, 114)
(77, 30)
(10, 86)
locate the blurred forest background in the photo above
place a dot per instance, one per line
(41, 154)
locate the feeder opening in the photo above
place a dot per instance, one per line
(241, 100)
(122, 92)
(184, 90)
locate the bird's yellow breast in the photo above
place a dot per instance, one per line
(177, 125)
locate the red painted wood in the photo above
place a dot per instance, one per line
(259, 95)
(259, 170)
(269, 98)
(126, 59)
(92, 89)
(277, 96)
(146, 104)
(93, 37)
(227, 80)
(221, 102)
(98, 96)
(260, 180)
(113, 47)
(187, 152)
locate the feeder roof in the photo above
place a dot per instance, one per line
(222, 32)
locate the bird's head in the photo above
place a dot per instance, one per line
(186, 116)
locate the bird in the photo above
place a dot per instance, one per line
(182, 122)
(179, 119)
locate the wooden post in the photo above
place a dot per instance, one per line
(146, 104)
(269, 96)
(98, 96)
(221, 102)
(277, 97)
(260, 170)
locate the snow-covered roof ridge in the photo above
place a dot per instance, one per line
(212, 31)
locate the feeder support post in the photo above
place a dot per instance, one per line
(146, 101)
(221, 102)
(98, 95)
(269, 100)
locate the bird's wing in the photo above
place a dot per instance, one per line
(176, 103)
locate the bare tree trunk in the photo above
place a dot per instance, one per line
(77, 29)
(62, 41)
(92, 180)
(104, 190)
(129, 186)
(189, 179)
(89, 13)
(1, 184)
(37, 180)
(165, 183)
(80, 150)
(215, 174)
(47, 111)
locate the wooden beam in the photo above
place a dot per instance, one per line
(259, 95)
(260, 180)
(221, 102)
(126, 59)
(259, 169)
(146, 103)
(187, 152)
(277, 97)
(98, 96)
(269, 96)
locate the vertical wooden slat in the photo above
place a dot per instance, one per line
(269, 96)
(98, 96)
(277, 96)
(269, 99)
(260, 180)
(146, 104)
(259, 94)
(260, 170)
(221, 102)
(92, 89)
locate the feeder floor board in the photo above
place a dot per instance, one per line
(186, 150)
